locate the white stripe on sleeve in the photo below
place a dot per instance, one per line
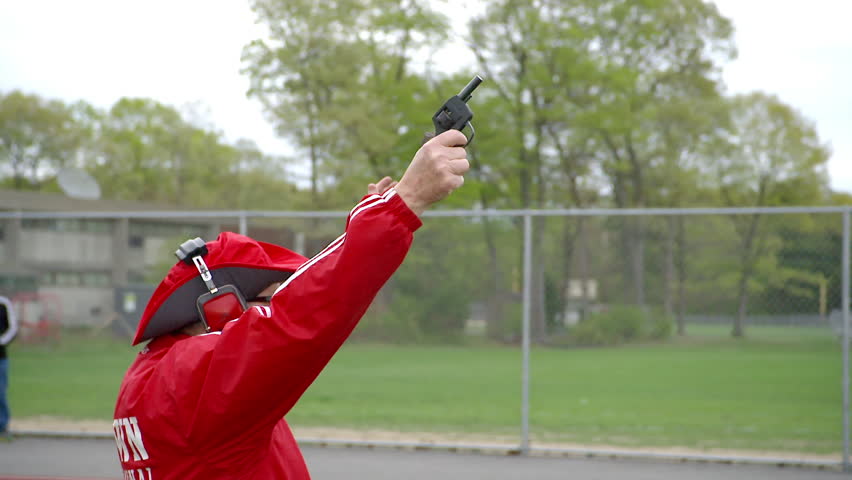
(369, 202)
(334, 246)
(385, 197)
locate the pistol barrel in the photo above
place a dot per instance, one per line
(469, 88)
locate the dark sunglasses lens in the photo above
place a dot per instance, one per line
(260, 299)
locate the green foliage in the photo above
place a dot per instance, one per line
(770, 156)
(335, 77)
(429, 297)
(147, 150)
(389, 324)
(807, 260)
(36, 136)
(139, 150)
(659, 326)
(598, 106)
(620, 324)
(586, 104)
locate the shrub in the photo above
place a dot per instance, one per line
(661, 327)
(620, 324)
(385, 323)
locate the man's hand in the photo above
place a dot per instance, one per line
(380, 187)
(436, 170)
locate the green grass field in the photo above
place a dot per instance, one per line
(779, 389)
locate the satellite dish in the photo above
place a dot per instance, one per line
(77, 183)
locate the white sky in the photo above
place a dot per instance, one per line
(184, 52)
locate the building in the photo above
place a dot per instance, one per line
(88, 270)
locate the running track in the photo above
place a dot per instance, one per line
(95, 459)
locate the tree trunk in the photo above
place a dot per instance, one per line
(631, 244)
(314, 167)
(668, 268)
(583, 266)
(742, 309)
(637, 254)
(747, 262)
(494, 326)
(17, 167)
(538, 317)
(571, 258)
(680, 261)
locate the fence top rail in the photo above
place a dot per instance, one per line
(564, 212)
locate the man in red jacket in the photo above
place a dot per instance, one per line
(241, 328)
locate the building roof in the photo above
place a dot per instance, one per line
(20, 200)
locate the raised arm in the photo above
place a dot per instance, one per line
(258, 366)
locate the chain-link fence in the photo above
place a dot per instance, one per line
(709, 329)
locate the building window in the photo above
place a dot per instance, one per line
(162, 229)
(38, 224)
(66, 279)
(94, 279)
(75, 279)
(76, 225)
(134, 277)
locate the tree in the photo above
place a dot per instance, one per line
(145, 150)
(772, 156)
(653, 57)
(586, 85)
(514, 41)
(37, 137)
(139, 149)
(334, 77)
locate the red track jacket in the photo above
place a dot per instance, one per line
(212, 406)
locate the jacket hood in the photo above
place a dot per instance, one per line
(233, 259)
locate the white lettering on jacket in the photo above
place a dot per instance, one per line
(128, 439)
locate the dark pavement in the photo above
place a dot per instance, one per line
(51, 458)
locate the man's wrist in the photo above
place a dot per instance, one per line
(403, 212)
(410, 200)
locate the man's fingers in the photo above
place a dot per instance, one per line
(456, 152)
(459, 166)
(381, 186)
(384, 184)
(451, 138)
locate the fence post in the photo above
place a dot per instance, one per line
(525, 333)
(845, 309)
(243, 224)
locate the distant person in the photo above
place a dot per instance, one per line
(241, 328)
(8, 330)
